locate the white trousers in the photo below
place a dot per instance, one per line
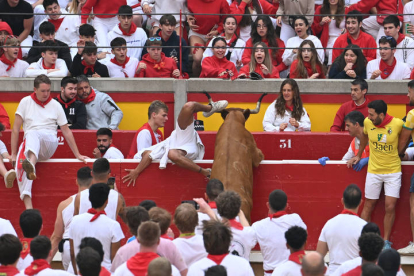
(372, 27)
(66, 255)
(286, 32)
(103, 26)
(43, 145)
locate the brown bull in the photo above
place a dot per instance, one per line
(236, 153)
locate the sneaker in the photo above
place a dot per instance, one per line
(387, 245)
(29, 169)
(216, 107)
(9, 178)
(408, 250)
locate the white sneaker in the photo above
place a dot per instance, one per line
(216, 107)
(9, 178)
(29, 168)
(409, 250)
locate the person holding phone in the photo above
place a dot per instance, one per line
(408, 26)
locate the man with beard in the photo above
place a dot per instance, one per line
(75, 110)
(384, 166)
(104, 148)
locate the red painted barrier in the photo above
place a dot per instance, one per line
(314, 192)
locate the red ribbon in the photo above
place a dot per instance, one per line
(90, 97)
(289, 107)
(386, 69)
(198, 46)
(45, 67)
(278, 214)
(8, 270)
(36, 266)
(42, 104)
(400, 38)
(95, 213)
(132, 29)
(165, 236)
(8, 62)
(297, 257)
(217, 258)
(67, 104)
(56, 23)
(114, 61)
(87, 66)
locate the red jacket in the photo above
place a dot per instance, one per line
(273, 75)
(339, 123)
(277, 62)
(267, 8)
(4, 118)
(382, 6)
(101, 6)
(310, 73)
(162, 69)
(213, 66)
(208, 22)
(364, 41)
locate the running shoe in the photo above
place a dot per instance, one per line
(216, 107)
(387, 245)
(408, 250)
(9, 178)
(29, 168)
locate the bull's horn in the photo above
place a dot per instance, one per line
(257, 109)
(210, 100)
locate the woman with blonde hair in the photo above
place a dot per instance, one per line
(260, 63)
(287, 113)
(307, 65)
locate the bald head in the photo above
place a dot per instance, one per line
(313, 265)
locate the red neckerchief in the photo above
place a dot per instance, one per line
(20, 159)
(42, 104)
(104, 272)
(36, 266)
(278, 214)
(400, 38)
(217, 258)
(297, 257)
(347, 212)
(165, 236)
(45, 67)
(235, 224)
(138, 264)
(90, 97)
(289, 107)
(132, 29)
(56, 23)
(212, 204)
(8, 62)
(25, 247)
(114, 61)
(386, 121)
(386, 69)
(9, 270)
(87, 66)
(232, 39)
(67, 104)
(308, 67)
(159, 66)
(96, 213)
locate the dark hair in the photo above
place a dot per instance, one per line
(411, 84)
(31, 223)
(214, 188)
(89, 262)
(148, 204)
(98, 194)
(47, 28)
(355, 117)
(379, 106)
(362, 84)
(47, 3)
(370, 246)
(87, 30)
(90, 48)
(388, 39)
(10, 248)
(149, 233)
(40, 247)
(280, 104)
(104, 131)
(101, 166)
(134, 217)
(125, 10)
(370, 269)
(162, 217)
(217, 237)
(277, 200)
(392, 19)
(50, 45)
(361, 61)
(326, 10)
(352, 196)
(156, 106)
(93, 243)
(186, 218)
(216, 270)
(217, 39)
(67, 80)
(2, 127)
(296, 237)
(82, 78)
(389, 260)
(301, 71)
(118, 42)
(168, 19)
(371, 227)
(304, 19)
(84, 176)
(355, 14)
(270, 34)
(246, 20)
(228, 204)
(41, 79)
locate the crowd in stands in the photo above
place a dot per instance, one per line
(336, 39)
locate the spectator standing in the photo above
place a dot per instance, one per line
(10, 64)
(105, 148)
(351, 64)
(307, 64)
(260, 63)
(85, 61)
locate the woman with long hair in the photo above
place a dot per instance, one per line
(250, 9)
(217, 66)
(351, 64)
(307, 64)
(235, 45)
(263, 31)
(260, 63)
(287, 113)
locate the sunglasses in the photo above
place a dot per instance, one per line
(155, 38)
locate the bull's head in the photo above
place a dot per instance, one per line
(246, 112)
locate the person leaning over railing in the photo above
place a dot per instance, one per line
(307, 64)
(351, 64)
(260, 63)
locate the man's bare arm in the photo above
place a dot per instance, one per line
(57, 235)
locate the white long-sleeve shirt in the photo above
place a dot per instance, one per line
(294, 42)
(36, 68)
(272, 121)
(401, 71)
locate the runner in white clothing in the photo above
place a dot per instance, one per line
(121, 66)
(104, 148)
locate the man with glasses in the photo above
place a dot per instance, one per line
(387, 67)
(121, 66)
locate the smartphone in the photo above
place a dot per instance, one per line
(406, 28)
(192, 202)
(111, 182)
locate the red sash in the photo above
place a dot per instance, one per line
(96, 213)
(212, 204)
(47, 68)
(36, 266)
(386, 121)
(297, 257)
(386, 69)
(8, 270)
(138, 264)
(87, 66)
(347, 212)
(217, 258)
(20, 159)
(134, 146)
(8, 62)
(25, 247)
(56, 23)
(67, 104)
(42, 104)
(90, 98)
(132, 29)
(235, 224)
(278, 214)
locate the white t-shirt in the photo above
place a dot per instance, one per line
(106, 230)
(201, 218)
(351, 264)
(400, 72)
(52, 272)
(242, 242)
(409, 14)
(191, 249)
(234, 265)
(22, 264)
(341, 233)
(17, 71)
(110, 209)
(116, 71)
(5, 226)
(270, 234)
(45, 119)
(123, 270)
(113, 153)
(144, 139)
(288, 268)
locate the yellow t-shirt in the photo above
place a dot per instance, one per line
(383, 146)
(409, 122)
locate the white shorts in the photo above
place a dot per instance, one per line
(373, 185)
(186, 140)
(203, 37)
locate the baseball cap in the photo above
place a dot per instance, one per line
(389, 260)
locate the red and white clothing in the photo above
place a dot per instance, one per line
(12, 69)
(157, 69)
(399, 70)
(191, 248)
(41, 267)
(207, 22)
(341, 234)
(352, 264)
(364, 40)
(234, 265)
(113, 153)
(144, 138)
(110, 209)
(213, 66)
(289, 56)
(339, 123)
(270, 234)
(134, 37)
(246, 70)
(276, 61)
(244, 239)
(409, 15)
(272, 120)
(38, 68)
(292, 266)
(8, 270)
(202, 217)
(25, 258)
(6, 227)
(353, 150)
(309, 70)
(404, 51)
(125, 70)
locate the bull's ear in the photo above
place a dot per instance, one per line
(224, 114)
(246, 114)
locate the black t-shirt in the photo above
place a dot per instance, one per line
(15, 21)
